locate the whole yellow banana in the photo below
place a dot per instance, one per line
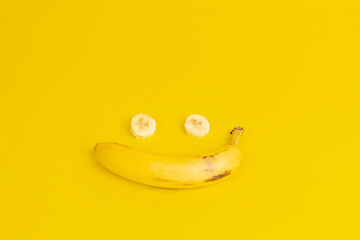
(171, 171)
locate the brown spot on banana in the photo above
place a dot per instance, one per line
(217, 177)
(210, 156)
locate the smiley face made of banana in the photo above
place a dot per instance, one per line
(171, 171)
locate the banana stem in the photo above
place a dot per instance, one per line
(236, 133)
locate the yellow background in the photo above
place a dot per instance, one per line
(73, 73)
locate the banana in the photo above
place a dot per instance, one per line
(171, 171)
(197, 125)
(142, 126)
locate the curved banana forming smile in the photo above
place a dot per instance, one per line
(171, 171)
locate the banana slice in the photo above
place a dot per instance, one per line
(197, 125)
(142, 126)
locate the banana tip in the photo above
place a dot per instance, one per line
(237, 128)
(95, 146)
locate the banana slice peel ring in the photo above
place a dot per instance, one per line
(171, 171)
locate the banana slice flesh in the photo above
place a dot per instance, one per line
(142, 126)
(197, 125)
